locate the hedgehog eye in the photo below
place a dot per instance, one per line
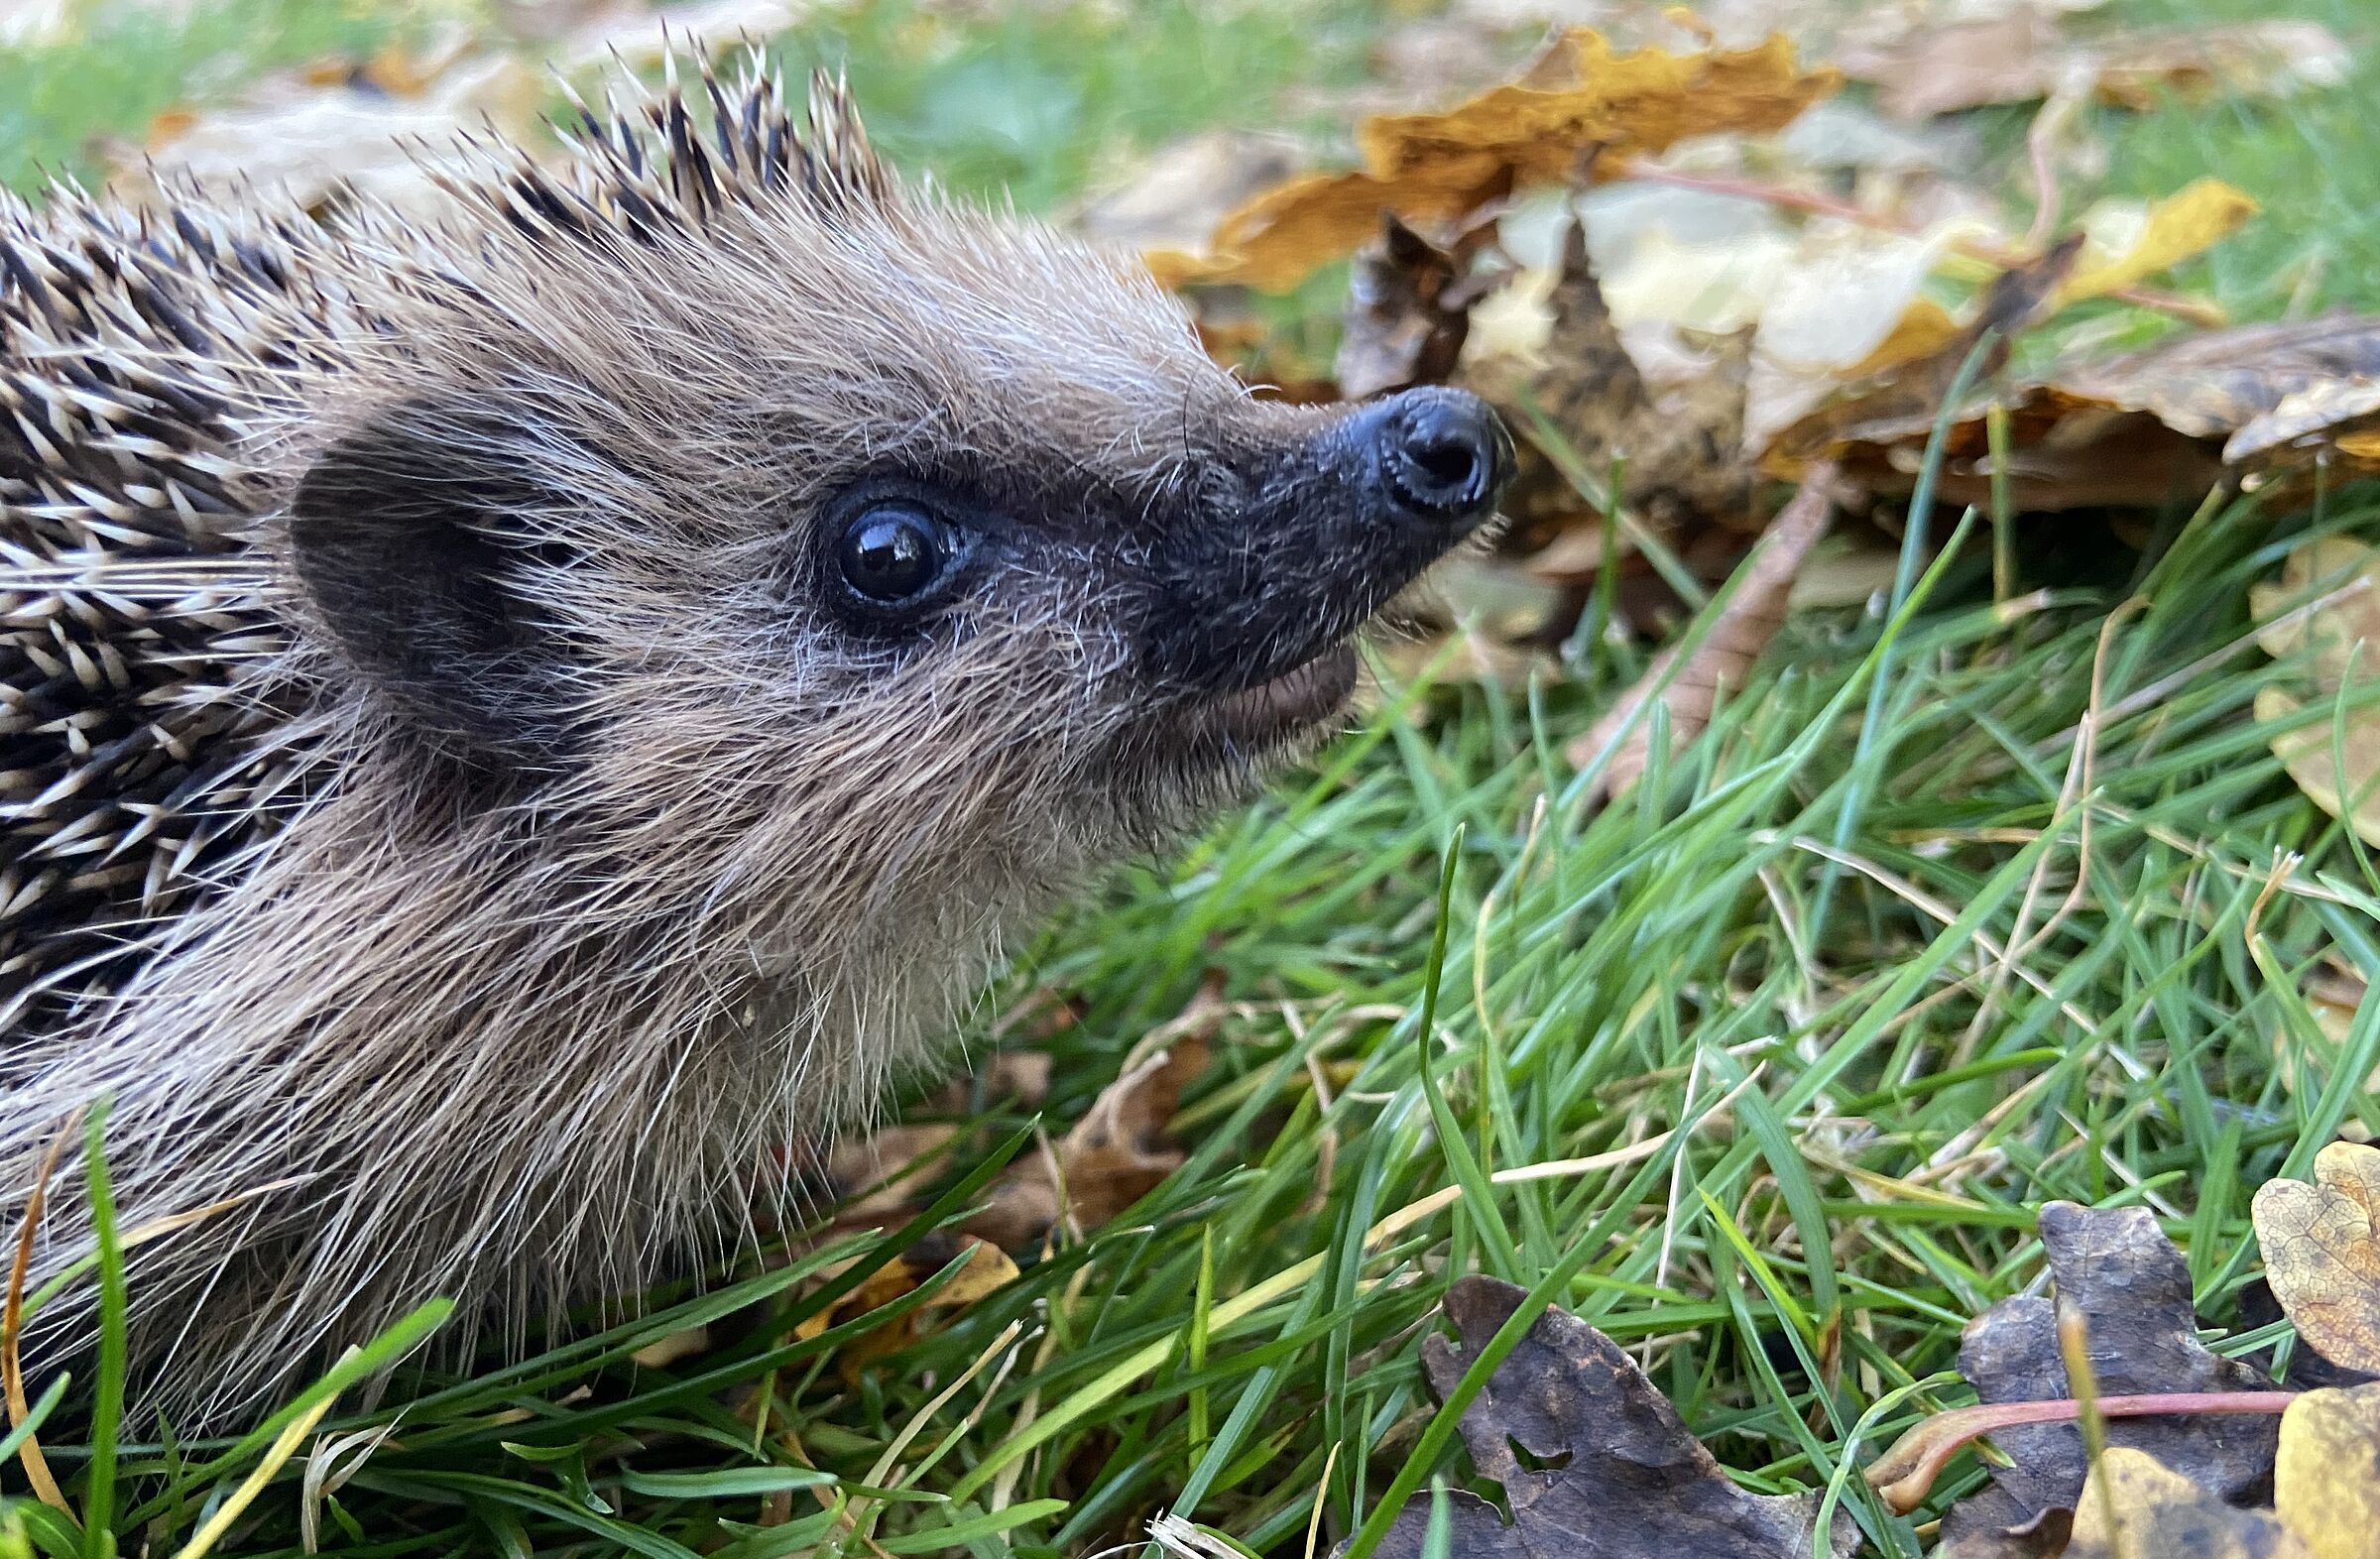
(892, 552)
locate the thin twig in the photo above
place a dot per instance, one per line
(1905, 1474)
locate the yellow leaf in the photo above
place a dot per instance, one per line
(2326, 1485)
(2341, 574)
(1923, 330)
(1285, 234)
(2311, 752)
(2322, 1253)
(1581, 103)
(2136, 1508)
(2184, 224)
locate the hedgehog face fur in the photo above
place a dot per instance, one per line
(677, 621)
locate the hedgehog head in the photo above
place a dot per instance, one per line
(725, 490)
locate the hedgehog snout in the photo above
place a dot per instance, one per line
(1442, 457)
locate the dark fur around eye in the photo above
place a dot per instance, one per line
(890, 556)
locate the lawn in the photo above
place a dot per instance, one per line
(1965, 904)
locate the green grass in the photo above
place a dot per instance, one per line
(125, 64)
(1809, 911)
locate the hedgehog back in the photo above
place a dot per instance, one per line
(138, 765)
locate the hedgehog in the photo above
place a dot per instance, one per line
(516, 718)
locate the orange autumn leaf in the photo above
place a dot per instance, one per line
(1582, 102)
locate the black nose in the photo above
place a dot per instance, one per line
(1443, 454)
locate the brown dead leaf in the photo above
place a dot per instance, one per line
(2326, 1483)
(1175, 200)
(2136, 1508)
(1682, 452)
(2271, 58)
(1408, 310)
(2343, 413)
(311, 139)
(2008, 58)
(2145, 428)
(2317, 750)
(1726, 654)
(2023, 54)
(880, 1174)
(1581, 102)
(2133, 1291)
(1119, 1152)
(1593, 1460)
(2322, 1253)
(988, 1270)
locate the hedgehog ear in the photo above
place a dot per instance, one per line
(399, 537)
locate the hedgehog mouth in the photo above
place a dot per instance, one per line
(1275, 712)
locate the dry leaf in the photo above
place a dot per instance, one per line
(1682, 453)
(1726, 654)
(1408, 310)
(2314, 749)
(1593, 1460)
(2344, 413)
(310, 141)
(1581, 103)
(1176, 198)
(2133, 1291)
(2145, 428)
(2271, 58)
(880, 1174)
(1119, 1152)
(2157, 1513)
(2326, 1485)
(2003, 59)
(2184, 224)
(988, 1270)
(2322, 1253)
(2023, 56)
(2340, 579)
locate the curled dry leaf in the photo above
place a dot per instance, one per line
(1117, 1154)
(2133, 1291)
(1681, 454)
(1581, 103)
(1408, 310)
(2135, 1506)
(2146, 427)
(1743, 629)
(2322, 1253)
(1593, 1460)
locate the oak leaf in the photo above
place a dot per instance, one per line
(1595, 1462)
(2322, 1253)
(2133, 1291)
